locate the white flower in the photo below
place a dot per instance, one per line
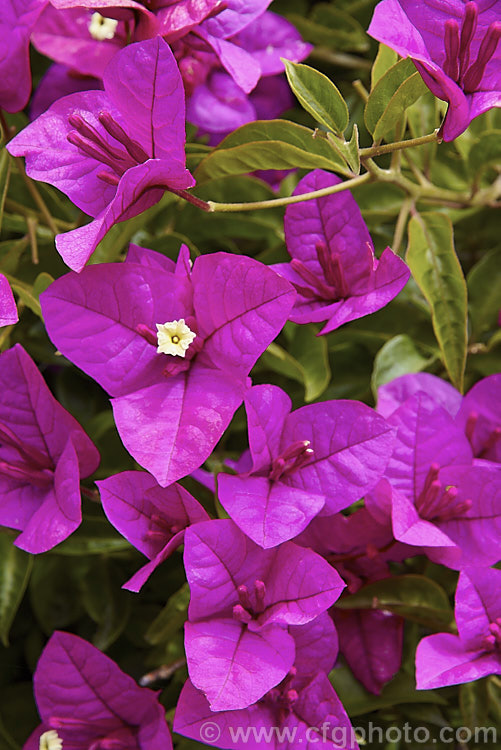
(51, 741)
(101, 28)
(174, 337)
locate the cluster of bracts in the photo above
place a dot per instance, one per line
(173, 344)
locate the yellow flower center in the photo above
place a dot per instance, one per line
(174, 337)
(51, 741)
(101, 28)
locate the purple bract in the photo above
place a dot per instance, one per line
(438, 498)
(150, 517)
(17, 18)
(113, 153)
(446, 659)
(85, 701)
(8, 309)
(480, 414)
(172, 402)
(333, 266)
(454, 45)
(243, 599)
(295, 715)
(43, 454)
(319, 458)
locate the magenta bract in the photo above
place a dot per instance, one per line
(243, 599)
(446, 659)
(170, 410)
(17, 18)
(454, 45)
(8, 309)
(480, 414)
(438, 498)
(284, 718)
(333, 265)
(319, 458)
(43, 454)
(150, 517)
(113, 153)
(88, 701)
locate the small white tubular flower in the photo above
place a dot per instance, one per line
(101, 28)
(51, 741)
(174, 337)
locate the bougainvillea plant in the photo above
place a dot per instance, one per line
(250, 421)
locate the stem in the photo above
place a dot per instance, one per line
(400, 225)
(36, 196)
(90, 494)
(164, 672)
(27, 212)
(418, 192)
(388, 148)
(32, 234)
(396, 156)
(341, 59)
(361, 90)
(276, 202)
(198, 202)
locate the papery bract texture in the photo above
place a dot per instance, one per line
(359, 547)
(87, 699)
(243, 599)
(8, 309)
(480, 414)
(454, 45)
(114, 153)
(319, 458)
(444, 659)
(284, 718)
(333, 265)
(43, 454)
(438, 497)
(17, 18)
(393, 394)
(170, 412)
(150, 517)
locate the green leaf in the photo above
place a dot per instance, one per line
(494, 692)
(5, 167)
(437, 271)
(170, 619)
(411, 596)
(385, 58)
(26, 295)
(95, 536)
(318, 95)
(402, 689)
(348, 150)
(474, 703)
(42, 282)
(29, 294)
(485, 153)
(331, 27)
(54, 591)
(117, 239)
(484, 282)
(14, 576)
(307, 362)
(6, 738)
(396, 90)
(11, 252)
(106, 602)
(269, 144)
(398, 356)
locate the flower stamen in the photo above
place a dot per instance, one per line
(102, 28)
(174, 337)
